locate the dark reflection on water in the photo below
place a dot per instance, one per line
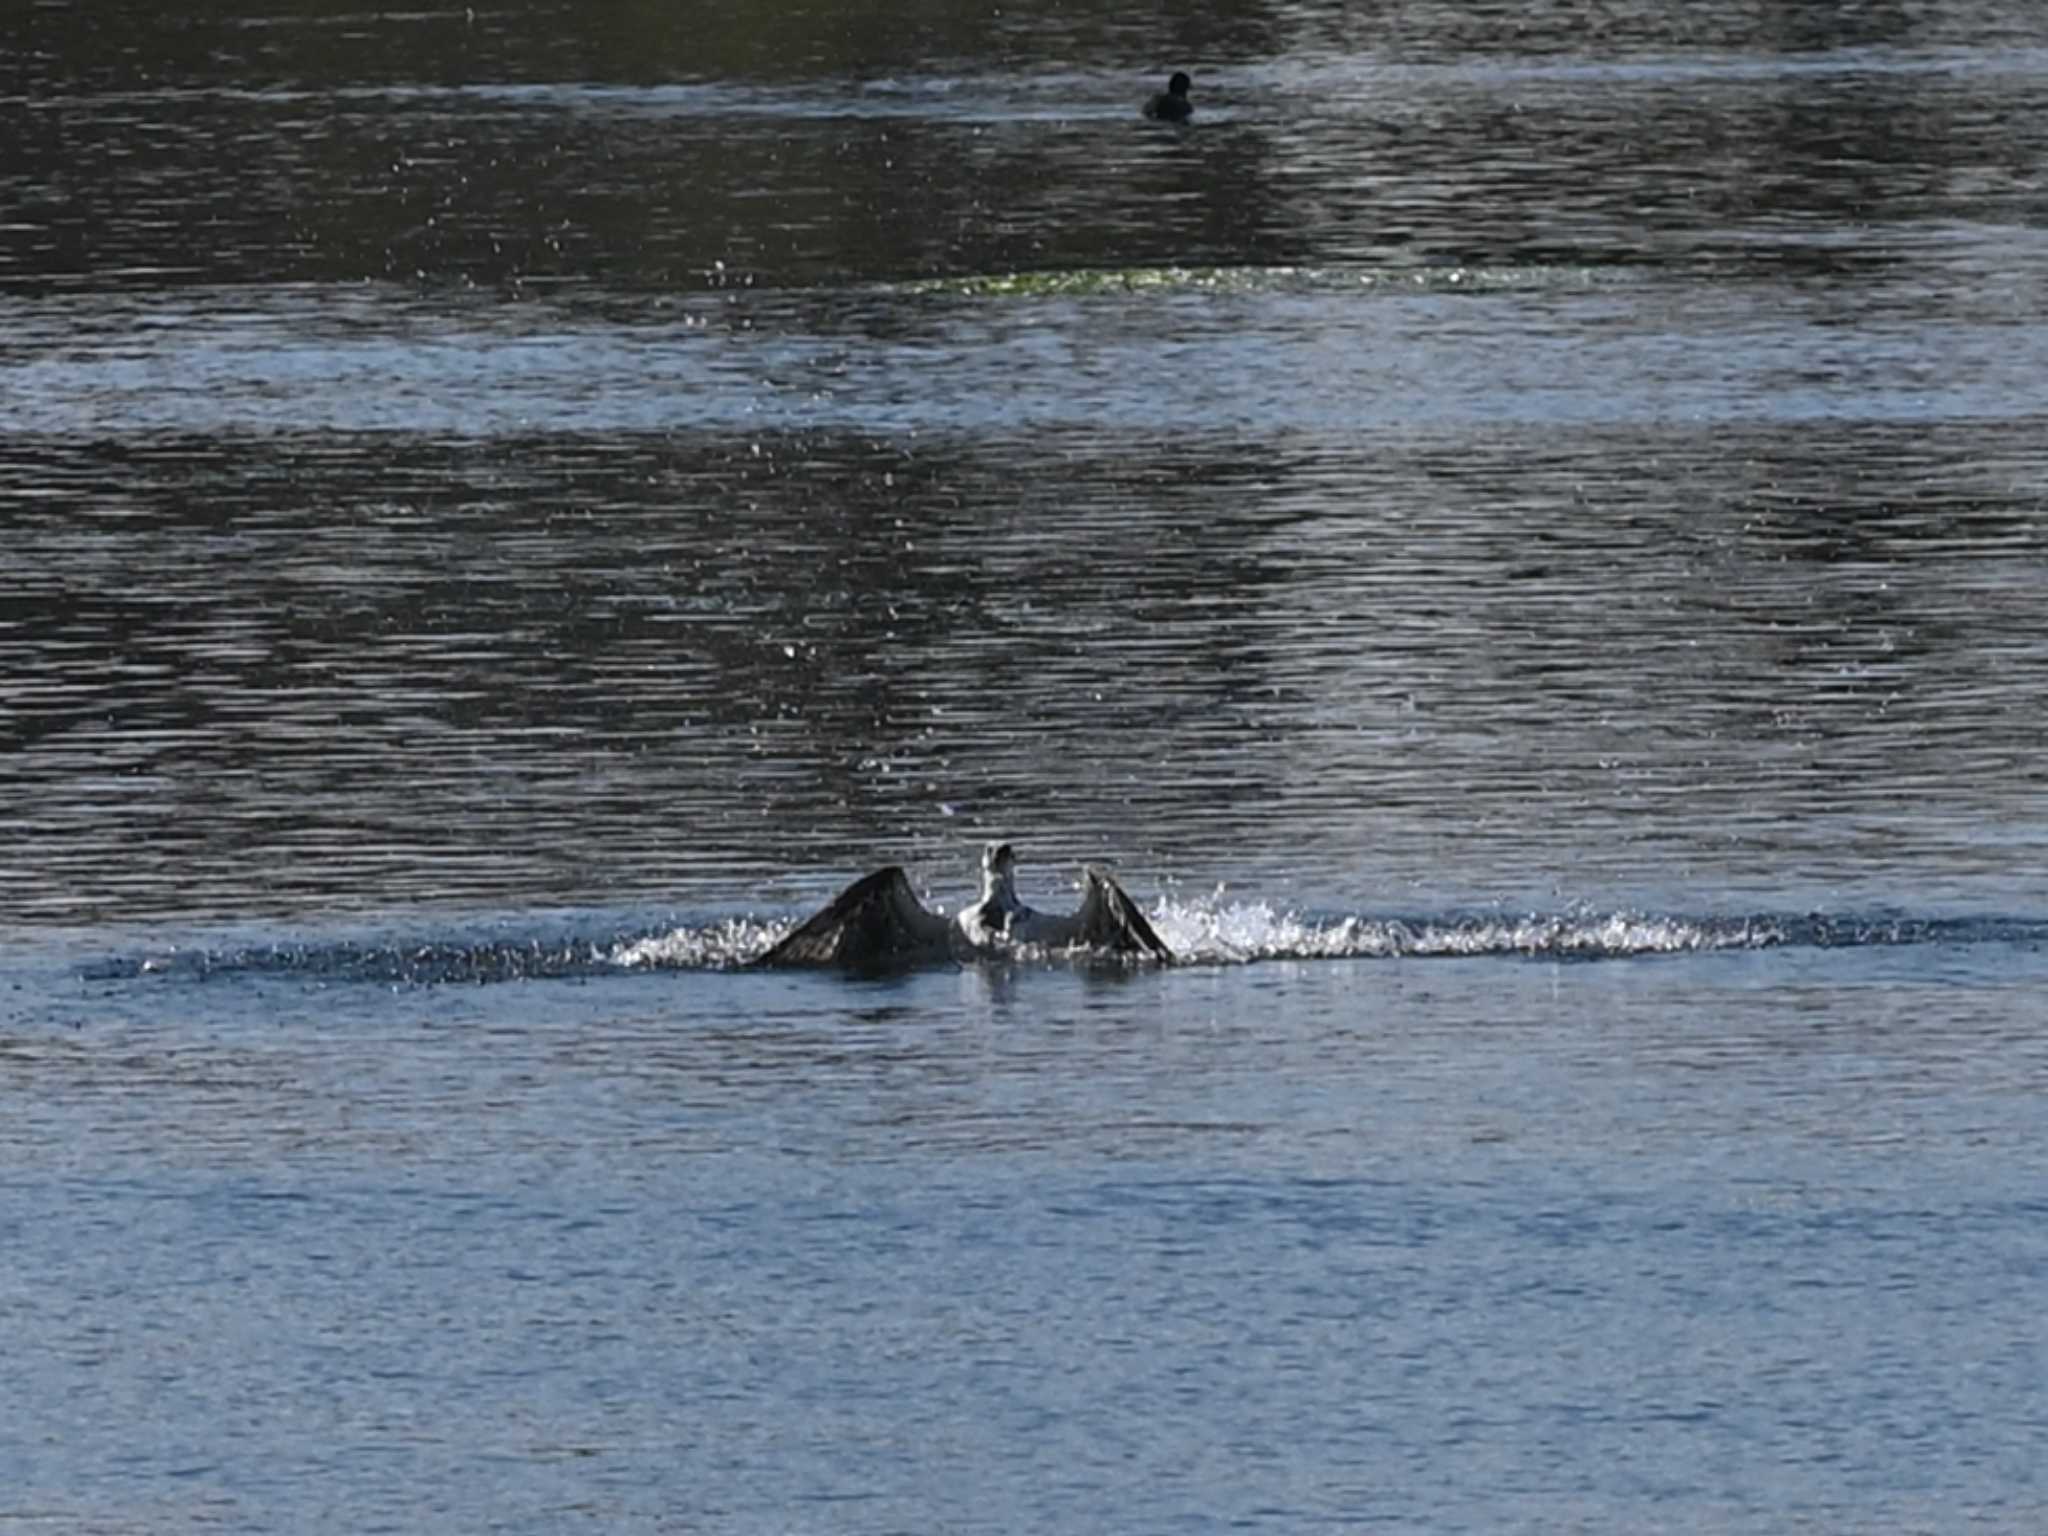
(808, 146)
(562, 456)
(254, 673)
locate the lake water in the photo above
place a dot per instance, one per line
(1519, 534)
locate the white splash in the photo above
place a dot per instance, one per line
(732, 942)
(1209, 931)
(1213, 931)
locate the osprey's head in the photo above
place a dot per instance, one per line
(999, 875)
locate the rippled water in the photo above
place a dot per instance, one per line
(506, 510)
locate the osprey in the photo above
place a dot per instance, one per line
(877, 923)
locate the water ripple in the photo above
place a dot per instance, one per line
(1204, 932)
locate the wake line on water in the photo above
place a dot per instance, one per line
(1212, 933)
(1200, 932)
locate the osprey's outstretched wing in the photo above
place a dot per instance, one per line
(1110, 920)
(876, 923)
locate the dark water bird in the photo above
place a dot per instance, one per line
(1172, 105)
(877, 923)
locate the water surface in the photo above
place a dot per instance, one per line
(1516, 535)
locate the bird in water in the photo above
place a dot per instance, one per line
(877, 923)
(1172, 105)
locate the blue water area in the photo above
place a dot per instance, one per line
(428, 1229)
